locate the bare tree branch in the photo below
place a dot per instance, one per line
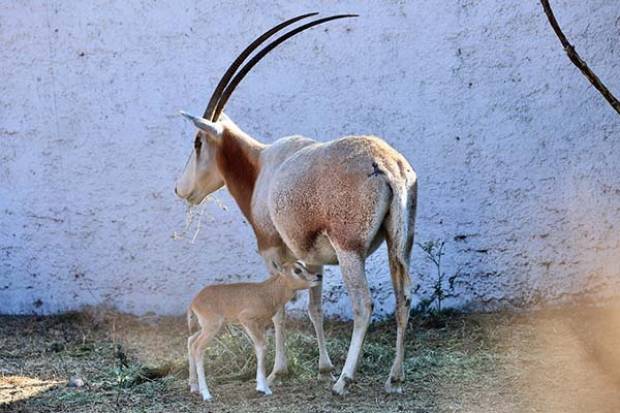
(577, 61)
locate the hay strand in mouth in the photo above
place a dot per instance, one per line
(193, 218)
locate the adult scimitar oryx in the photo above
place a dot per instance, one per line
(322, 203)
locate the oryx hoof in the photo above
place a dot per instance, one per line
(326, 373)
(277, 375)
(327, 368)
(266, 391)
(193, 388)
(327, 377)
(393, 385)
(340, 388)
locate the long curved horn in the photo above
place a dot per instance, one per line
(239, 60)
(252, 62)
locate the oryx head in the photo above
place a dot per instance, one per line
(201, 175)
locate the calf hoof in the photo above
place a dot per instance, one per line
(340, 388)
(193, 388)
(206, 396)
(393, 385)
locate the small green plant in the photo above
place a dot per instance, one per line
(442, 286)
(121, 371)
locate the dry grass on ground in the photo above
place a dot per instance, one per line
(565, 360)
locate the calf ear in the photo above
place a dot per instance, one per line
(302, 264)
(213, 129)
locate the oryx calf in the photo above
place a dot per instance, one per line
(253, 305)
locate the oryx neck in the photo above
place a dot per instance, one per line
(238, 162)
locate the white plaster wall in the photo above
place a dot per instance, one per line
(517, 155)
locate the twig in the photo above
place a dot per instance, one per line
(577, 60)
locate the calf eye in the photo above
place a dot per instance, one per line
(297, 271)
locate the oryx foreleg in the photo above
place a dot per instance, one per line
(280, 365)
(315, 312)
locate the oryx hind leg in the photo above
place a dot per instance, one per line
(401, 284)
(354, 276)
(399, 227)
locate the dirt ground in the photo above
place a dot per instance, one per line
(562, 360)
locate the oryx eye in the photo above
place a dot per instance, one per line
(297, 271)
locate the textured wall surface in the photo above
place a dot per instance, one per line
(518, 157)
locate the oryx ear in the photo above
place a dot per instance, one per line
(213, 129)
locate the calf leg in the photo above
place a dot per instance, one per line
(209, 330)
(353, 274)
(257, 334)
(315, 312)
(193, 379)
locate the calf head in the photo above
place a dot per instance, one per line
(299, 277)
